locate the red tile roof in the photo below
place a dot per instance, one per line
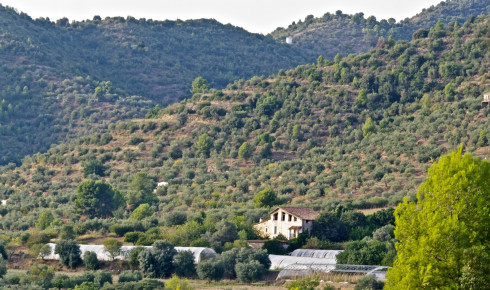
(305, 213)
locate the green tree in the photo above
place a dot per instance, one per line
(113, 247)
(245, 151)
(441, 233)
(328, 226)
(157, 262)
(45, 219)
(368, 128)
(199, 86)
(184, 264)
(45, 251)
(265, 198)
(296, 134)
(210, 270)
(3, 267)
(132, 237)
(142, 211)
(249, 272)
(362, 98)
(97, 199)
(90, 260)
(204, 144)
(69, 252)
(141, 190)
(94, 166)
(482, 139)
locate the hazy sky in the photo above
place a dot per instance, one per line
(261, 16)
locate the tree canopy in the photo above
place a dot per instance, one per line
(443, 237)
(97, 199)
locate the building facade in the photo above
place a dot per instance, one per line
(288, 221)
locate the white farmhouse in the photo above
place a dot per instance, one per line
(288, 221)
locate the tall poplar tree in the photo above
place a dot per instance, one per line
(444, 238)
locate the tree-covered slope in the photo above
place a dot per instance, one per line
(49, 72)
(359, 132)
(345, 34)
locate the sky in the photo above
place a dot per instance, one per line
(260, 16)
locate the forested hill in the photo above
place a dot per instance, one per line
(358, 132)
(61, 80)
(155, 59)
(345, 34)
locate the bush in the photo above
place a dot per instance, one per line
(146, 284)
(102, 277)
(369, 282)
(69, 252)
(175, 283)
(210, 270)
(121, 229)
(130, 276)
(41, 275)
(304, 284)
(249, 272)
(132, 237)
(184, 264)
(90, 260)
(71, 282)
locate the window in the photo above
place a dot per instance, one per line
(295, 218)
(283, 217)
(275, 216)
(275, 230)
(290, 217)
(266, 230)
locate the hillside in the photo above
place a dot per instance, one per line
(50, 72)
(359, 132)
(346, 34)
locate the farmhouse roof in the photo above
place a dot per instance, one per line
(305, 213)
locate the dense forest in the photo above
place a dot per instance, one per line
(353, 133)
(346, 34)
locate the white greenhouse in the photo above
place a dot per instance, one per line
(321, 254)
(281, 262)
(332, 272)
(200, 253)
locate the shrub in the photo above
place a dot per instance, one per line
(102, 277)
(210, 270)
(249, 272)
(132, 237)
(184, 264)
(175, 283)
(304, 284)
(130, 276)
(369, 282)
(86, 286)
(71, 282)
(90, 260)
(41, 275)
(67, 232)
(146, 284)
